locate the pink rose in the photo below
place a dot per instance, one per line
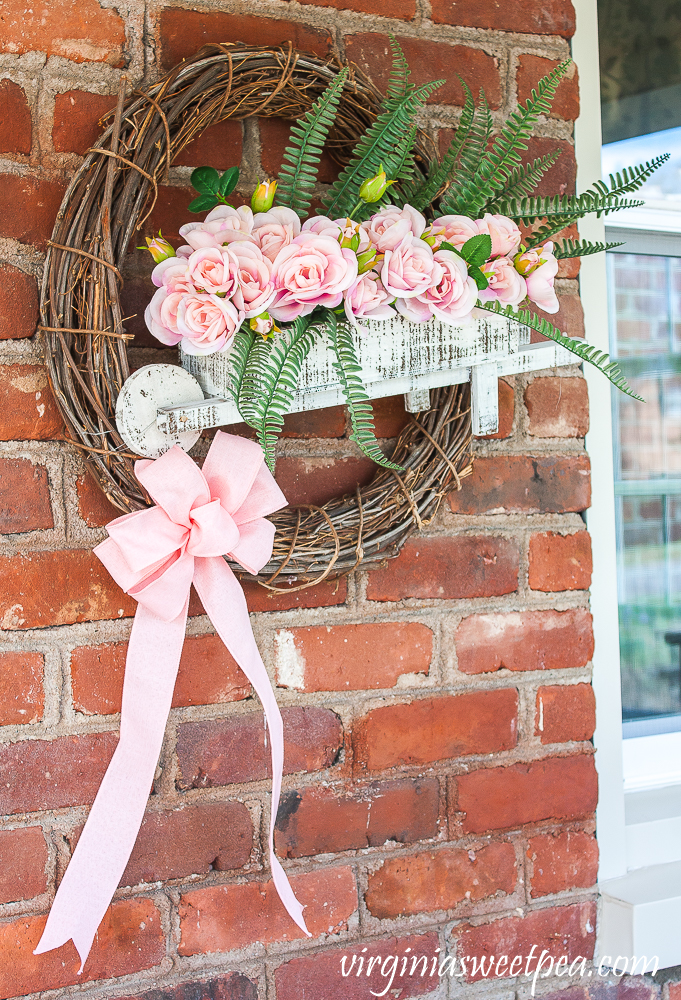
(322, 226)
(539, 268)
(207, 323)
(366, 297)
(506, 286)
(255, 289)
(161, 316)
(312, 271)
(275, 229)
(349, 230)
(173, 274)
(409, 269)
(505, 234)
(388, 227)
(222, 225)
(454, 294)
(454, 229)
(214, 270)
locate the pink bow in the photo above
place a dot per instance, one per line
(155, 555)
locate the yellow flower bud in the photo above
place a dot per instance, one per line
(373, 188)
(263, 196)
(159, 248)
(264, 325)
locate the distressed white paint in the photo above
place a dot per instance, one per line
(289, 661)
(417, 401)
(485, 398)
(140, 398)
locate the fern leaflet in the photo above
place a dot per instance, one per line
(580, 248)
(584, 352)
(359, 407)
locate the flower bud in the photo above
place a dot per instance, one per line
(159, 248)
(373, 188)
(263, 324)
(366, 260)
(263, 196)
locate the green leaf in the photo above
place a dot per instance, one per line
(228, 181)
(478, 277)
(584, 352)
(477, 249)
(203, 203)
(298, 174)
(205, 180)
(360, 410)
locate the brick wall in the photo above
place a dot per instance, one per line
(440, 787)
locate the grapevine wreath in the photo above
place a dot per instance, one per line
(115, 190)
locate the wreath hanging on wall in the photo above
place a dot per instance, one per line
(113, 194)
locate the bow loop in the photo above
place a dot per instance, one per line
(213, 531)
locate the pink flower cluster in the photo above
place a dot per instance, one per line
(266, 267)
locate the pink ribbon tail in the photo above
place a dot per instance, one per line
(109, 835)
(225, 605)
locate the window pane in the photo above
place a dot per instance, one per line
(639, 286)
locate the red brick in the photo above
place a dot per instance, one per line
(565, 712)
(552, 17)
(351, 657)
(506, 412)
(233, 750)
(530, 71)
(194, 840)
(320, 976)
(560, 562)
(39, 200)
(328, 820)
(569, 318)
(21, 688)
(208, 675)
(58, 588)
(77, 115)
(184, 31)
(130, 938)
(24, 496)
(429, 61)
(18, 303)
(558, 407)
(275, 136)
(28, 411)
(464, 566)
(93, 505)
(232, 986)
(499, 798)
(525, 484)
(15, 119)
(226, 917)
(525, 640)
(561, 861)
(390, 416)
(323, 595)
(431, 729)
(170, 212)
(564, 930)
(218, 146)
(79, 30)
(23, 859)
(328, 422)
(439, 880)
(37, 775)
(558, 179)
(317, 480)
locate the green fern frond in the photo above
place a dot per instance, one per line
(238, 359)
(584, 352)
(523, 180)
(494, 169)
(421, 195)
(631, 178)
(398, 82)
(359, 407)
(580, 248)
(272, 379)
(298, 174)
(389, 132)
(459, 193)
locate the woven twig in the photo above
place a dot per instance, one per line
(81, 321)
